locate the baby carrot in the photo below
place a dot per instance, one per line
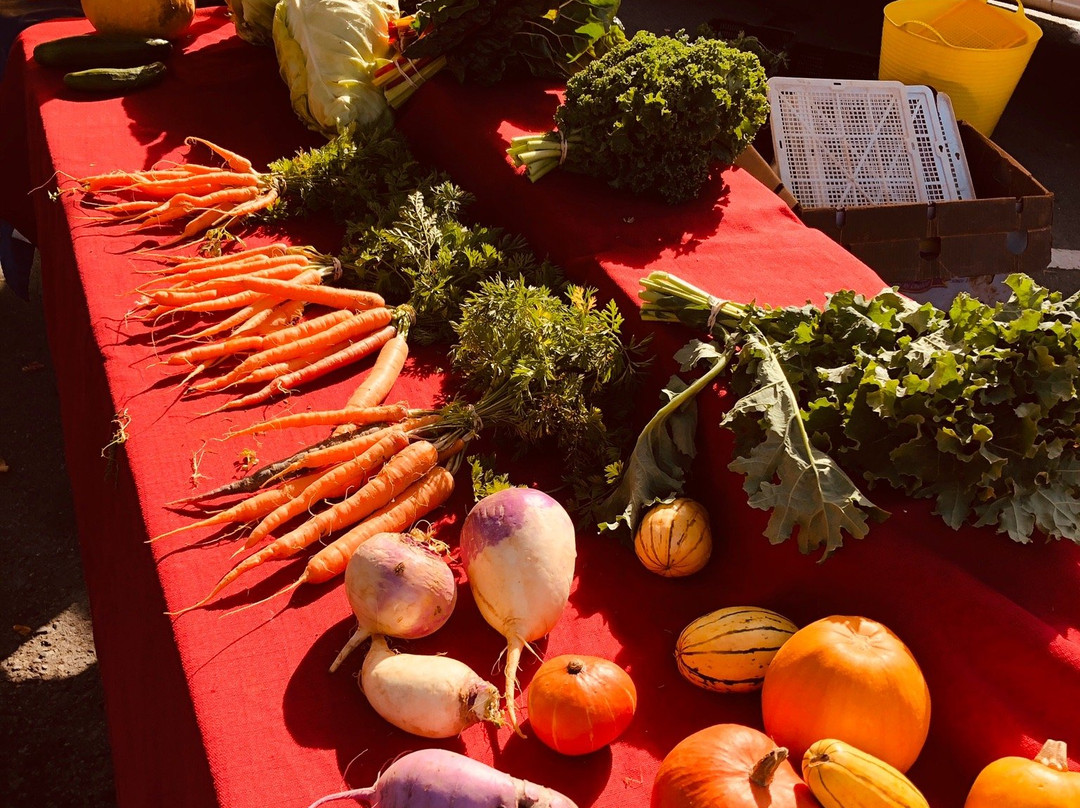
(317, 369)
(416, 501)
(417, 459)
(362, 323)
(332, 484)
(323, 295)
(384, 373)
(254, 507)
(235, 161)
(388, 413)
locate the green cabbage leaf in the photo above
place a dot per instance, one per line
(327, 52)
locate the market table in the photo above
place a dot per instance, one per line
(238, 709)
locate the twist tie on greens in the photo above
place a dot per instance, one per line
(338, 269)
(405, 75)
(562, 146)
(714, 311)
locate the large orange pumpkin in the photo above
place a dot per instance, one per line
(729, 766)
(1016, 782)
(578, 704)
(151, 18)
(852, 679)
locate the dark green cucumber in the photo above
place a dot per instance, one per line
(101, 50)
(115, 79)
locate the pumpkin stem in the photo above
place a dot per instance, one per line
(575, 666)
(763, 771)
(1054, 755)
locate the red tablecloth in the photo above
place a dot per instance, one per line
(239, 710)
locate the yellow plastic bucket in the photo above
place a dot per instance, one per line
(972, 51)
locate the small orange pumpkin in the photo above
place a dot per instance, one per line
(852, 679)
(729, 766)
(578, 704)
(1016, 782)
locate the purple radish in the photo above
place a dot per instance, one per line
(431, 696)
(399, 587)
(518, 546)
(437, 778)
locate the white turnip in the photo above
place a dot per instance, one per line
(518, 548)
(399, 587)
(438, 778)
(431, 696)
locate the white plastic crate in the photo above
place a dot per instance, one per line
(861, 143)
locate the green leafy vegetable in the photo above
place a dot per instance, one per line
(427, 257)
(362, 176)
(975, 407)
(540, 368)
(653, 115)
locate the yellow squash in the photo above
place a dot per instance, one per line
(152, 18)
(674, 538)
(842, 776)
(730, 649)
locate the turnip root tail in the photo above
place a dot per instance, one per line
(514, 646)
(358, 637)
(361, 795)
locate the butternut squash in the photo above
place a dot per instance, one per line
(730, 649)
(841, 776)
(151, 18)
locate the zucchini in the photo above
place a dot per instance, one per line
(114, 80)
(101, 50)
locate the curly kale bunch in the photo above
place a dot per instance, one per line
(654, 115)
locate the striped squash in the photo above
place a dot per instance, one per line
(728, 650)
(842, 776)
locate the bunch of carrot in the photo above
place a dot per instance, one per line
(377, 469)
(267, 290)
(202, 196)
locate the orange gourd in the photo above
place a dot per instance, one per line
(1016, 782)
(852, 679)
(729, 766)
(149, 18)
(578, 704)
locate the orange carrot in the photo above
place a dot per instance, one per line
(389, 413)
(255, 204)
(323, 295)
(343, 450)
(226, 269)
(200, 224)
(415, 502)
(355, 326)
(234, 321)
(384, 373)
(186, 263)
(250, 343)
(265, 373)
(192, 183)
(254, 507)
(272, 320)
(224, 303)
(235, 161)
(317, 369)
(350, 474)
(414, 461)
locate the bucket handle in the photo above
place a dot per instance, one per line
(944, 41)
